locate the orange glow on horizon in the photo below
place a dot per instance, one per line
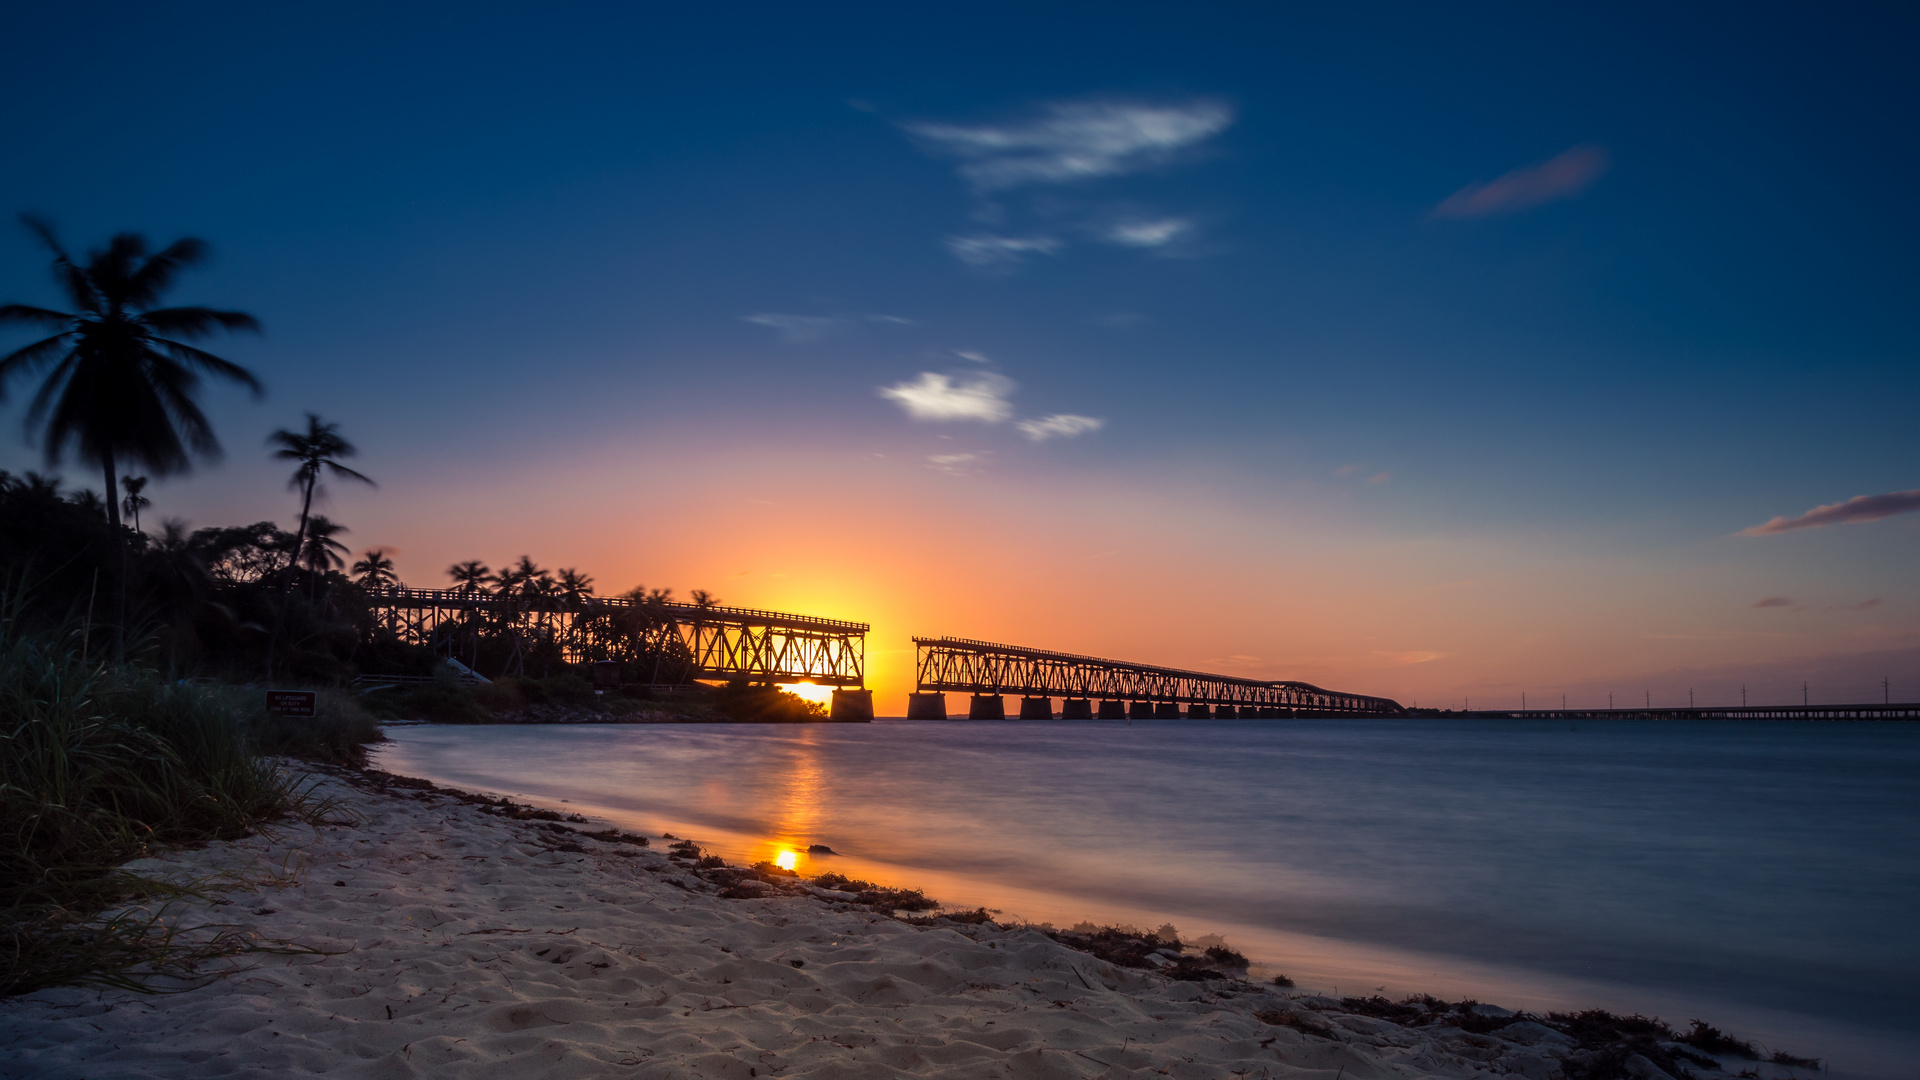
(819, 695)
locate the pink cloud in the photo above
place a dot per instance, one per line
(1858, 508)
(1774, 601)
(1560, 178)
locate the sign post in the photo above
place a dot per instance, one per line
(291, 702)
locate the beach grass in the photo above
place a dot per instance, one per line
(102, 763)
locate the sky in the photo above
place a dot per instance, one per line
(1441, 354)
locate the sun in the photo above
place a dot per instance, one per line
(819, 695)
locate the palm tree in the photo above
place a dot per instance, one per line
(575, 586)
(134, 502)
(704, 599)
(317, 448)
(322, 552)
(471, 576)
(122, 385)
(375, 571)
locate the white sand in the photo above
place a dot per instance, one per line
(467, 945)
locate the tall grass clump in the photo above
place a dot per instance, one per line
(99, 764)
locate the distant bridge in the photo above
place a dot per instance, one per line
(684, 641)
(1121, 690)
(1889, 711)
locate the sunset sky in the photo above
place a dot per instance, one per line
(1441, 354)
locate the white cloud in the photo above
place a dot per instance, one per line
(1075, 141)
(989, 250)
(1065, 425)
(969, 354)
(796, 327)
(940, 397)
(897, 320)
(1148, 234)
(957, 464)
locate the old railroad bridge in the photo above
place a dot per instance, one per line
(1121, 690)
(685, 643)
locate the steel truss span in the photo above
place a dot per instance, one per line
(701, 642)
(982, 667)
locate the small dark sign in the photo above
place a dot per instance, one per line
(290, 702)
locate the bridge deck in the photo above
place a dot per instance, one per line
(1883, 711)
(984, 667)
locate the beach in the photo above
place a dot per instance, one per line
(456, 937)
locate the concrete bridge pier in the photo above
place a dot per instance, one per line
(926, 706)
(1166, 710)
(1224, 712)
(1113, 710)
(1197, 711)
(1076, 709)
(1036, 708)
(1140, 710)
(987, 707)
(851, 705)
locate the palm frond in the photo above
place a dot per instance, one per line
(65, 273)
(27, 313)
(341, 470)
(27, 358)
(111, 269)
(211, 364)
(198, 321)
(154, 276)
(54, 382)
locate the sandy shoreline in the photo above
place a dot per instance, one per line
(463, 942)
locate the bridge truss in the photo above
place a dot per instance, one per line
(685, 642)
(981, 667)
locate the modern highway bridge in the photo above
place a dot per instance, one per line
(1109, 689)
(686, 641)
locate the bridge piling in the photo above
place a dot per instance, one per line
(926, 706)
(987, 707)
(1198, 712)
(1036, 708)
(1113, 710)
(851, 705)
(1076, 709)
(1139, 710)
(1166, 710)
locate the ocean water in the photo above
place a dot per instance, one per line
(1761, 876)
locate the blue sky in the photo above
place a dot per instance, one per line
(1472, 289)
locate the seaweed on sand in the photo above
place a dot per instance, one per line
(1124, 946)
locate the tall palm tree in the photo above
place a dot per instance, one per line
(123, 379)
(134, 502)
(318, 448)
(575, 587)
(375, 571)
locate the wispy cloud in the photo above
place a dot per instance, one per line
(1062, 425)
(957, 464)
(1379, 478)
(934, 396)
(1149, 234)
(986, 249)
(969, 354)
(1414, 657)
(1348, 470)
(1071, 141)
(1857, 509)
(1867, 605)
(1560, 178)
(896, 320)
(797, 327)
(1774, 601)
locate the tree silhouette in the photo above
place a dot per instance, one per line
(575, 586)
(316, 449)
(375, 571)
(704, 599)
(134, 502)
(322, 552)
(122, 385)
(471, 576)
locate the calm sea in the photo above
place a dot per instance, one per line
(1760, 876)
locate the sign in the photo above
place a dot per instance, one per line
(291, 702)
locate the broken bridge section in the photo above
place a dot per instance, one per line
(1109, 689)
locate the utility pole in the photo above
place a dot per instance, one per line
(1649, 701)
(1886, 692)
(1523, 701)
(1743, 695)
(1563, 703)
(1609, 701)
(1803, 693)
(1689, 697)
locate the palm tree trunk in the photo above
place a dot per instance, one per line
(286, 582)
(120, 551)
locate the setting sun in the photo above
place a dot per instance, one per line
(785, 860)
(819, 695)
